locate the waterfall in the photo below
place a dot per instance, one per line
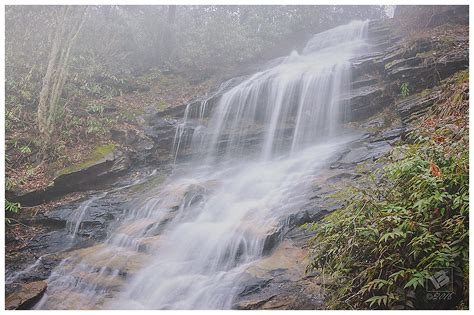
(73, 223)
(285, 108)
(255, 151)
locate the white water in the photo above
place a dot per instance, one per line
(208, 223)
(73, 223)
(297, 99)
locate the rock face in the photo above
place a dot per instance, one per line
(126, 137)
(279, 282)
(420, 64)
(90, 174)
(26, 296)
(416, 105)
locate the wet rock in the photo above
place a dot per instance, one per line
(366, 101)
(410, 62)
(92, 219)
(356, 155)
(255, 287)
(366, 64)
(278, 282)
(422, 73)
(103, 257)
(161, 131)
(143, 153)
(366, 80)
(373, 124)
(26, 296)
(390, 134)
(252, 304)
(271, 240)
(37, 270)
(148, 244)
(378, 31)
(341, 177)
(300, 236)
(414, 106)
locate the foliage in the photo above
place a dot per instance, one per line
(456, 93)
(404, 89)
(13, 207)
(119, 40)
(381, 246)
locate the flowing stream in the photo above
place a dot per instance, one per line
(185, 243)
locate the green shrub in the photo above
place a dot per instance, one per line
(404, 89)
(13, 207)
(379, 249)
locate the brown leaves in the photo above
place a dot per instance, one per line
(434, 169)
(439, 139)
(429, 122)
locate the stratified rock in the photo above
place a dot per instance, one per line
(414, 106)
(366, 101)
(104, 166)
(26, 296)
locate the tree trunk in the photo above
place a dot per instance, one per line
(69, 23)
(168, 40)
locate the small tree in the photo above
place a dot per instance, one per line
(69, 23)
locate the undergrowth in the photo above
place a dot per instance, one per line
(407, 221)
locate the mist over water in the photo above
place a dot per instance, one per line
(187, 242)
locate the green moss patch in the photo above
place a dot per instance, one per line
(99, 153)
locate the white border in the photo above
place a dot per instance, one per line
(190, 2)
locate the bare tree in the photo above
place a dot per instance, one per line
(69, 22)
(168, 39)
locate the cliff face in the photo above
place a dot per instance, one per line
(416, 62)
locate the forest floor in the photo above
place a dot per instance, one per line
(89, 125)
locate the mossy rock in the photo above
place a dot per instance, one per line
(100, 154)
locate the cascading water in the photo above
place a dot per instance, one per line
(186, 243)
(286, 107)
